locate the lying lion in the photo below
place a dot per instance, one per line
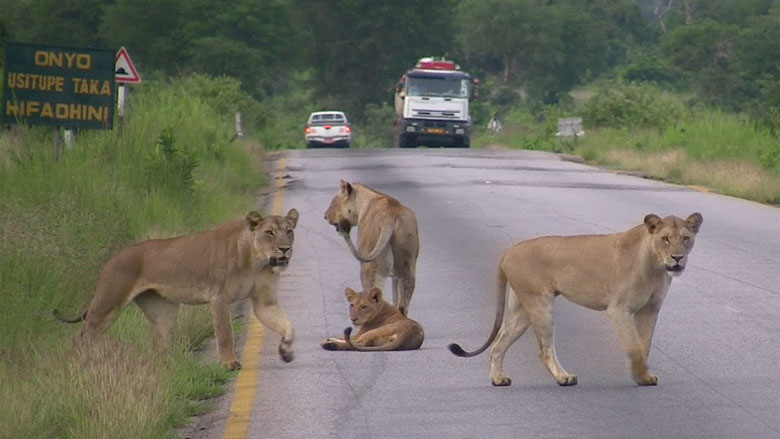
(388, 241)
(382, 326)
(240, 259)
(626, 274)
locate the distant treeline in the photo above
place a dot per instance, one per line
(723, 52)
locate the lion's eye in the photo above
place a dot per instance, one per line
(269, 233)
(363, 308)
(351, 305)
(686, 239)
(289, 232)
(665, 239)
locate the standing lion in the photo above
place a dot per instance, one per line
(626, 274)
(241, 259)
(387, 240)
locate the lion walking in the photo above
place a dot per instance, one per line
(241, 259)
(626, 274)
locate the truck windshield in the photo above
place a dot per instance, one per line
(444, 87)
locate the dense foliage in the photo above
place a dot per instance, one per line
(725, 52)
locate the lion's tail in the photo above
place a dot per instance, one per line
(500, 305)
(392, 346)
(381, 243)
(60, 317)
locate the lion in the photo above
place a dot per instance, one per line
(626, 274)
(388, 241)
(240, 259)
(382, 326)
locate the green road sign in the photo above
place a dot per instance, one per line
(53, 85)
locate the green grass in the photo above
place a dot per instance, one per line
(171, 172)
(725, 152)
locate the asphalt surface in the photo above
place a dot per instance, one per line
(715, 349)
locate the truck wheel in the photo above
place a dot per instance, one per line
(406, 141)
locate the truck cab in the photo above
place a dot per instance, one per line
(432, 105)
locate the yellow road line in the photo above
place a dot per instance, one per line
(240, 413)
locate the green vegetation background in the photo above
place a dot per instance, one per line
(690, 94)
(173, 170)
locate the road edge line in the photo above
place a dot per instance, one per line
(240, 413)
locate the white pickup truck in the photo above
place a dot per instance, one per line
(328, 128)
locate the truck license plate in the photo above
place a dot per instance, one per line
(435, 130)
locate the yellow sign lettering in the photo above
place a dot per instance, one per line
(32, 81)
(97, 87)
(46, 110)
(47, 58)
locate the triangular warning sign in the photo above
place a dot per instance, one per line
(124, 70)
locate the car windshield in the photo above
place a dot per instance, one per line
(444, 87)
(327, 118)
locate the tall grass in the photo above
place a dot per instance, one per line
(643, 128)
(172, 171)
(722, 151)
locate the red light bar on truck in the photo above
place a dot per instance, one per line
(433, 64)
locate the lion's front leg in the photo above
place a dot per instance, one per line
(625, 327)
(645, 320)
(270, 314)
(220, 316)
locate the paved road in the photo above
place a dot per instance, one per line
(716, 348)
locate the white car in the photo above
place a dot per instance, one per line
(328, 128)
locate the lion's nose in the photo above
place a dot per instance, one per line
(677, 258)
(283, 249)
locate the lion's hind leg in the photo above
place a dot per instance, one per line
(540, 313)
(161, 315)
(104, 308)
(513, 327)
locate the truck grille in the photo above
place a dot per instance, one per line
(442, 114)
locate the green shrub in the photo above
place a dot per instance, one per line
(172, 171)
(377, 129)
(168, 166)
(617, 104)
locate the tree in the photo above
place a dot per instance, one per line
(706, 53)
(256, 41)
(359, 48)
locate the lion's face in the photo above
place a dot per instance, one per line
(342, 211)
(273, 237)
(672, 239)
(363, 306)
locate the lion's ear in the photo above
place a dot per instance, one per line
(292, 216)
(653, 222)
(253, 220)
(375, 294)
(345, 187)
(350, 293)
(693, 222)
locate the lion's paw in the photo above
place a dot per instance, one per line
(286, 353)
(502, 380)
(232, 365)
(568, 380)
(647, 380)
(329, 344)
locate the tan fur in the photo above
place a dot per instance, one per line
(382, 326)
(626, 274)
(240, 259)
(388, 242)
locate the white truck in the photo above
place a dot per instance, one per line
(432, 105)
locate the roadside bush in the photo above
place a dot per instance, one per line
(617, 104)
(168, 166)
(377, 129)
(172, 171)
